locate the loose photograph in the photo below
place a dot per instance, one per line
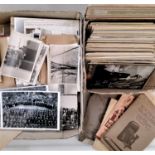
(69, 112)
(30, 110)
(21, 56)
(63, 64)
(128, 76)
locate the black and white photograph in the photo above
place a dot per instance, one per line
(31, 110)
(128, 76)
(34, 33)
(63, 64)
(69, 112)
(21, 56)
(29, 88)
(39, 64)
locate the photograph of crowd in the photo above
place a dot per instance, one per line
(69, 112)
(69, 118)
(30, 110)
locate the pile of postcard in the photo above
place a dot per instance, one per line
(120, 55)
(40, 62)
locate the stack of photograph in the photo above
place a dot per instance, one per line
(40, 74)
(119, 55)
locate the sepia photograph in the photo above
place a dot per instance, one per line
(21, 56)
(69, 112)
(128, 76)
(63, 64)
(30, 110)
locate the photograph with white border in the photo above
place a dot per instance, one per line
(21, 56)
(31, 110)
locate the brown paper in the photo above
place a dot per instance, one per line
(43, 74)
(109, 110)
(124, 101)
(6, 137)
(59, 39)
(98, 145)
(6, 81)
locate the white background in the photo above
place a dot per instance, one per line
(60, 145)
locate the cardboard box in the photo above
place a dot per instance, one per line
(93, 15)
(84, 93)
(5, 18)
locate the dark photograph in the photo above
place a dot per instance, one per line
(69, 118)
(113, 76)
(69, 112)
(30, 110)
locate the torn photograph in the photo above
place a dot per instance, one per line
(31, 110)
(126, 76)
(63, 64)
(21, 56)
(69, 112)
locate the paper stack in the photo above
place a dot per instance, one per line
(119, 54)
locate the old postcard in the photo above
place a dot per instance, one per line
(30, 110)
(122, 76)
(63, 65)
(21, 56)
